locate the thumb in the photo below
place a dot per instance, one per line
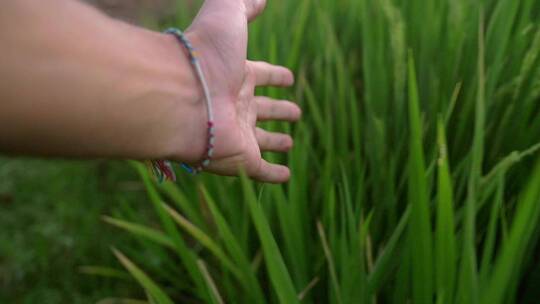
(251, 8)
(254, 8)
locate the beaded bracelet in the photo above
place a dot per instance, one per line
(162, 169)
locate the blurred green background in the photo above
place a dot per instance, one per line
(50, 227)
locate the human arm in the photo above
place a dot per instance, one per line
(78, 83)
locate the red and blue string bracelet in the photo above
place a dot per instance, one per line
(163, 169)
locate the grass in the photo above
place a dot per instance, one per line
(51, 235)
(415, 170)
(413, 174)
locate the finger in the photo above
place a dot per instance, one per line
(271, 75)
(274, 142)
(254, 8)
(271, 109)
(271, 173)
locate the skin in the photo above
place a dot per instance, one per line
(76, 83)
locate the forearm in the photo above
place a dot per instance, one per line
(77, 83)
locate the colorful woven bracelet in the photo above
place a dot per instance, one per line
(163, 169)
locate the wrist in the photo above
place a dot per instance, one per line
(186, 123)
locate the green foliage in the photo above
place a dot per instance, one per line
(413, 177)
(50, 230)
(154, 292)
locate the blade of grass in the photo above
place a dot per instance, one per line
(420, 226)
(521, 233)
(182, 202)
(309, 287)
(205, 240)
(181, 249)
(235, 250)
(279, 275)
(489, 244)
(141, 231)
(468, 287)
(150, 286)
(298, 31)
(445, 244)
(330, 261)
(388, 256)
(210, 282)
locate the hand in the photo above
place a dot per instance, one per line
(219, 34)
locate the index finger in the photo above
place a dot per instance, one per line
(267, 74)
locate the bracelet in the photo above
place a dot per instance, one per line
(163, 169)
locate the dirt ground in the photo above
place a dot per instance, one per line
(134, 10)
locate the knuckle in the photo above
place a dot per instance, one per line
(249, 74)
(248, 69)
(274, 109)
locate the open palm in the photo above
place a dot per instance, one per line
(219, 33)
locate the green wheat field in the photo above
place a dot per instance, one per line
(415, 172)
